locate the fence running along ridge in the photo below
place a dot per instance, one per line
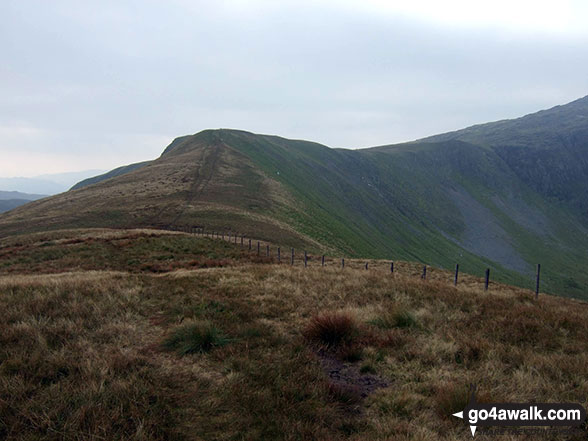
(235, 238)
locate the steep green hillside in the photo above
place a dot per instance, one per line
(438, 203)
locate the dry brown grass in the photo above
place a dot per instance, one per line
(81, 353)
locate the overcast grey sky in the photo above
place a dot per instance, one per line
(87, 85)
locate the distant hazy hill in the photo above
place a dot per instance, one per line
(9, 204)
(13, 199)
(6, 195)
(504, 195)
(111, 174)
(46, 184)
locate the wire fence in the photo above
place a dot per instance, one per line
(290, 256)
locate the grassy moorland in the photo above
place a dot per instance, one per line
(153, 251)
(250, 350)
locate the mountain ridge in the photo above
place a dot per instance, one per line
(448, 199)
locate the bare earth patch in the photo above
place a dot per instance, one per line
(347, 375)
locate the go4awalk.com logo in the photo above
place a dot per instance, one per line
(558, 415)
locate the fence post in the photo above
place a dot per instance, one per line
(279, 258)
(323, 260)
(249, 244)
(343, 263)
(537, 282)
(456, 274)
(305, 258)
(292, 260)
(366, 265)
(267, 251)
(235, 239)
(392, 267)
(487, 279)
(258, 248)
(424, 275)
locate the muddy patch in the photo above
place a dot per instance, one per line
(348, 377)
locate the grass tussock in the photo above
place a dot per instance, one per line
(194, 338)
(451, 398)
(398, 318)
(332, 329)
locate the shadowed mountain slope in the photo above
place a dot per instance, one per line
(547, 150)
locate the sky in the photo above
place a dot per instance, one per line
(98, 84)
